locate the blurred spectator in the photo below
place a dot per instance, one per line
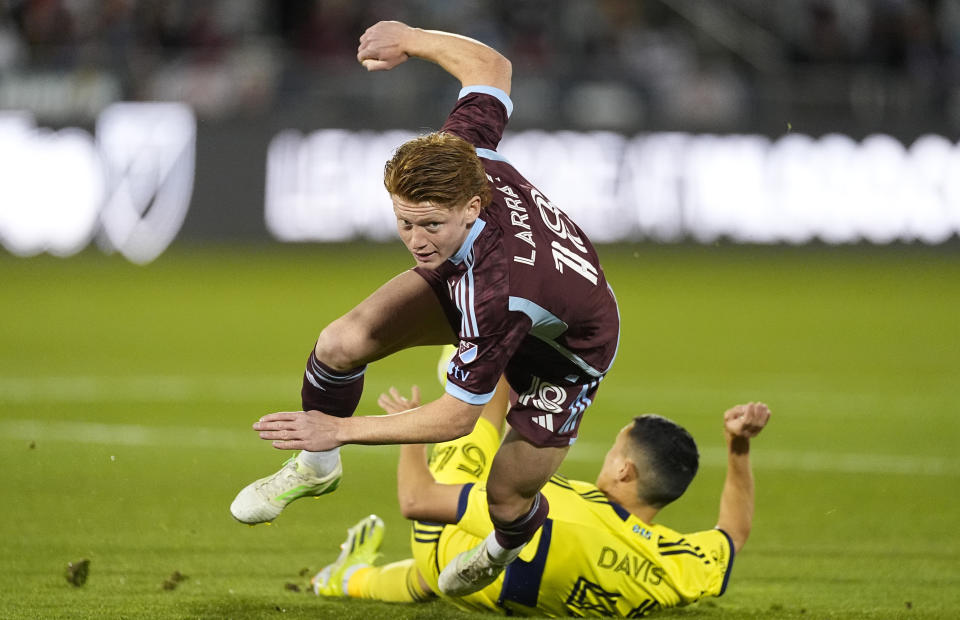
(11, 45)
(636, 62)
(47, 30)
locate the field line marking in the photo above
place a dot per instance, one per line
(231, 388)
(783, 460)
(124, 434)
(144, 388)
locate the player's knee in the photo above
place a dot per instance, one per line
(339, 347)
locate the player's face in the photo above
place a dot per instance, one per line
(433, 233)
(614, 462)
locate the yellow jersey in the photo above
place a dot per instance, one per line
(590, 558)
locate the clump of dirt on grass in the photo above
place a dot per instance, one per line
(174, 580)
(77, 572)
(303, 586)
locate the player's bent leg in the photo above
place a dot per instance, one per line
(397, 582)
(402, 313)
(517, 509)
(519, 471)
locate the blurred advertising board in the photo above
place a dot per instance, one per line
(146, 174)
(327, 185)
(127, 186)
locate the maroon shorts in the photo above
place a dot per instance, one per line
(549, 415)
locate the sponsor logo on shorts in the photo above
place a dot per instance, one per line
(544, 395)
(546, 421)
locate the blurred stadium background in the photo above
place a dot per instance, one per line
(777, 186)
(756, 121)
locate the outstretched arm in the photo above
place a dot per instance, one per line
(387, 44)
(440, 420)
(741, 423)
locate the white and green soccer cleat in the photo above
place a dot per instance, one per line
(471, 571)
(263, 500)
(359, 550)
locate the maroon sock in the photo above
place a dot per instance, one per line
(519, 532)
(330, 391)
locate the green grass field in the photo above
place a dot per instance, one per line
(127, 394)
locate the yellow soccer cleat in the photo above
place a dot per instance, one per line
(359, 550)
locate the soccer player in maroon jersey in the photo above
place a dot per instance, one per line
(500, 270)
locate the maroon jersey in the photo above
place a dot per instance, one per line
(525, 292)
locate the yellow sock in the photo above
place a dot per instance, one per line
(394, 583)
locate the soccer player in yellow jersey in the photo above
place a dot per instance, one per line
(599, 553)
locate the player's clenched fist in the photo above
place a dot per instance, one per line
(381, 46)
(746, 420)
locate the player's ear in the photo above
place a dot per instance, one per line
(472, 209)
(627, 472)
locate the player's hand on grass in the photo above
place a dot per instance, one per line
(394, 402)
(381, 46)
(299, 430)
(746, 421)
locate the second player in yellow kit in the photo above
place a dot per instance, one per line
(599, 552)
(591, 557)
